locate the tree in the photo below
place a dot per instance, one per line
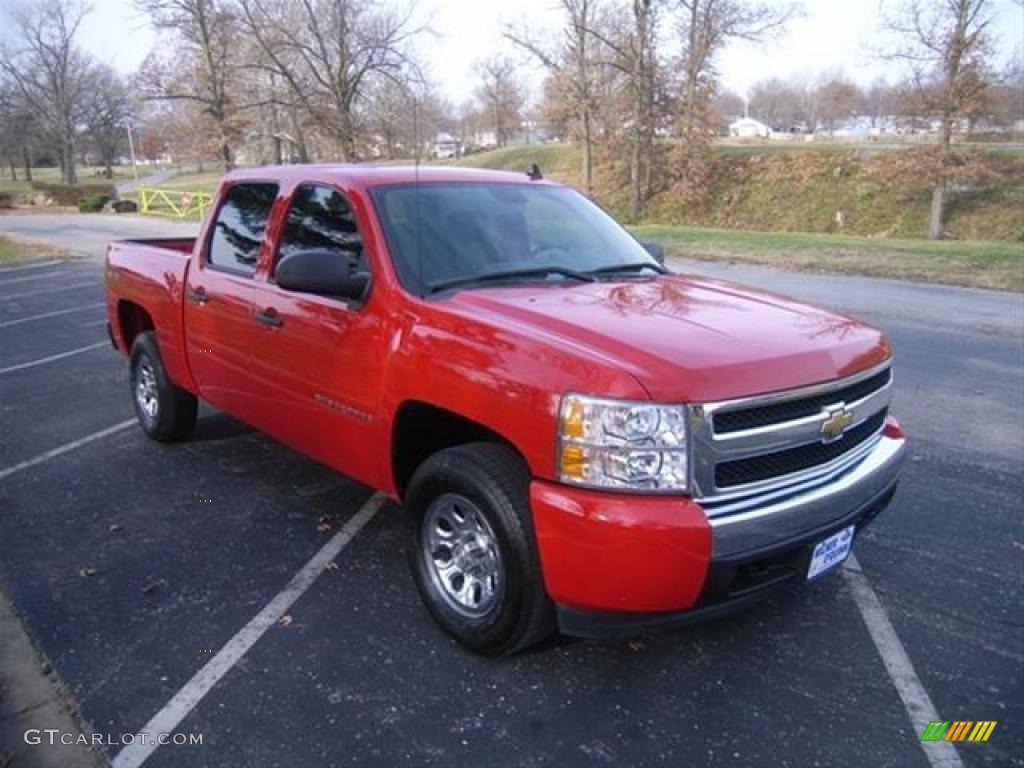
(330, 53)
(46, 71)
(779, 103)
(838, 100)
(944, 43)
(501, 96)
(706, 26)
(105, 114)
(570, 72)
(200, 65)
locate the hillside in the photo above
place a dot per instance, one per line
(831, 189)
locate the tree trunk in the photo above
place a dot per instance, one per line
(68, 153)
(14, 169)
(26, 156)
(936, 226)
(225, 151)
(588, 163)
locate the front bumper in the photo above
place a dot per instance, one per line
(615, 563)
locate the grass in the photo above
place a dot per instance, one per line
(12, 251)
(86, 175)
(978, 264)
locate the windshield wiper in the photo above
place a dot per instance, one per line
(633, 267)
(511, 274)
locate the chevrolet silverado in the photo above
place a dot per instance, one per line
(580, 439)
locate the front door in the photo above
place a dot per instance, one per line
(316, 363)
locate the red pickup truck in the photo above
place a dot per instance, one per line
(580, 439)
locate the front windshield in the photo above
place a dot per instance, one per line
(449, 233)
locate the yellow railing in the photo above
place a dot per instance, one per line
(179, 205)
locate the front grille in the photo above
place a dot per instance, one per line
(780, 463)
(790, 410)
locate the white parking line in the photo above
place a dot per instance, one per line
(26, 294)
(34, 265)
(941, 754)
(4, 473)
(44, 315)
(51, 358)
(185, 700)
(27, 278)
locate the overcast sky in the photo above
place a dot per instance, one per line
(833, 35)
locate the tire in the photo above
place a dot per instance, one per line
(503, 607)
(165, 412)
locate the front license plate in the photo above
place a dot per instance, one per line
(831, 552)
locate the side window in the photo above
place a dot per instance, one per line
(320, 218)
(241, 222)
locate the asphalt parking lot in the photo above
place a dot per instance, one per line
(132, 564)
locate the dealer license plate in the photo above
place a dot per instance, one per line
(831, 552)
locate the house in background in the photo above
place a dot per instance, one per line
(446, 145)
(749, 128)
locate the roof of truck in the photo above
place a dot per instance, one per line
(368, 175)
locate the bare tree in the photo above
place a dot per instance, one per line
(707, 25)
(630, 38)
(570, 67)
(105, 114)
(201, 66)
(838, 99)
(329, 52)
(945, 43)
(501, 95)
(45, 71)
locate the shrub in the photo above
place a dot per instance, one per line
(92, 203)
(6, 199)
(68, 194)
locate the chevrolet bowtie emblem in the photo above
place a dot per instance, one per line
(839, 418)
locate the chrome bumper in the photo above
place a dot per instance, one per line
(856, 488)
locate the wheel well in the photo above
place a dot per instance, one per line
(133, 320)
(421, 430)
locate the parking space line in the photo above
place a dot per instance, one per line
(34, 265)
(52, 358)
(940, 754)
(202, 682)
(61, 450)
(26, 294)
(44, 315)
(28, 278)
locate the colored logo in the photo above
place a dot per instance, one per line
(839, 418)
(958, 730)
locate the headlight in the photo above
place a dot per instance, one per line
(621, 444)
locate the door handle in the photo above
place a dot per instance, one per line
(269, 317)
(198, 295)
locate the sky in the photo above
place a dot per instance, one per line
(832, 36)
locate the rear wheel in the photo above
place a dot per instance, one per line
(165, 412)
(472, 549)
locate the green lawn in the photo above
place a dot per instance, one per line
(978, 264)
(15, 250)
(86, 175)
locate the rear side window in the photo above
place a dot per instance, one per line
(241, 222)
(320, 219)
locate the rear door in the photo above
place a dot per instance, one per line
(219, 296)
(316, 362)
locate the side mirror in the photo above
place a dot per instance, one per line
(323, 272)
(655, 249)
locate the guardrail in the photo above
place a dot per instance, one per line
(178, 205)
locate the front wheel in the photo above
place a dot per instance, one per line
(472, 550)
(165, 412)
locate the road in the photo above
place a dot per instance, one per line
(188, 543)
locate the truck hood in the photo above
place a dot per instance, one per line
(688, 339)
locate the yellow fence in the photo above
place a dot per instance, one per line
(179, 205)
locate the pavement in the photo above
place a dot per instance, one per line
(151, 577)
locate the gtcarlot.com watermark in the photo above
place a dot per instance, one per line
(53, 736)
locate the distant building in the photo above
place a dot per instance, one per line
(446, 145)
(749, 128)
